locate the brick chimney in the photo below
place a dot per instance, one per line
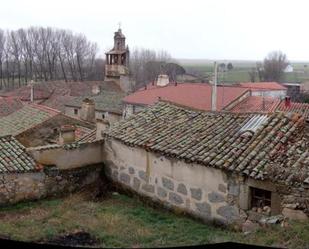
(88, 110)
(287, 101)
(67, 134)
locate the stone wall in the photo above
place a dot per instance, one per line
(48, 182)
(203, 192)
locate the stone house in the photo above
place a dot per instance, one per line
(216, 166)
(37, 125)
(107, 106)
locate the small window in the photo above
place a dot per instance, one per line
(75, 111)
(260, 198)
(103, 116)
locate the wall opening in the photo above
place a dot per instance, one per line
(260, 198)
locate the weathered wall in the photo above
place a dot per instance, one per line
(132, 109)
(203, 192)
(48, 130)
(111, 117)
(269, 93)
(50, 182)
(85, 154)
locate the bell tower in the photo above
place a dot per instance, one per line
(117, 62)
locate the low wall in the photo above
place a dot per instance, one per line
(48, 182)
(68, 158)
(204, 192)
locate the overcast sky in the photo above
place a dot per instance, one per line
(197, 29)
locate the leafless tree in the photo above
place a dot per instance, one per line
(274, 65)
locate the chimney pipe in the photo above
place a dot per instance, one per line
(31, 92)
(67, 134)
(88, 110)
(287, 101)
(214, 90)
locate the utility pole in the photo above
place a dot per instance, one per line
(214, 89)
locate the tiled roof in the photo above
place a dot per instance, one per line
(49, 91)
(269, 104)
(263, 86)
(81, 132)
(106, 101)
(13, 157)
(9, 105)
(300, 108)
(195, 95)
(261, 146)
(256, 104)
(88, 138)
(25, 118)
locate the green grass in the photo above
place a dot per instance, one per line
(240, 72)
(122, 221)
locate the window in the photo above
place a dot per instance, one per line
(260, 198)
(75, 111)
(103, 116)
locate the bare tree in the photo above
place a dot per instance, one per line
(274, 65)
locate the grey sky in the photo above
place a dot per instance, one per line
(205, 29)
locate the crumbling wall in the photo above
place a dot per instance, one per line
(48, 131)
(48, 182)
(67, 157)
(201, 191)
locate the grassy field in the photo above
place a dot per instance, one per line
(204, 68)
(121, 221)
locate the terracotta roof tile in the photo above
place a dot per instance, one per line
(261, 146)
(195, 95)
(9, 105)
(25, 118)
(256, 104)
(263, 86)
(13, 157)
(300, 108)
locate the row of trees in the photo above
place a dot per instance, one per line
(40, 53)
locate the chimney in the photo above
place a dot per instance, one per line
(214, 91)
(287, 101)
(175, 83)
(88, 110)
(67, 134)
(96, 89)
(163, 80)
(101, 125)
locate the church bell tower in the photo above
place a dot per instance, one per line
(117, 62)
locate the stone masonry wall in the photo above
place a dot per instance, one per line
(48, 182)
(201, 191)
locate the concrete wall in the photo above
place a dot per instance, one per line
(275, 93)
(86, 154)
(201, 191)
(51, 181)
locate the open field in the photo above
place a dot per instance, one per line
(122, 221)
(204, 68)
